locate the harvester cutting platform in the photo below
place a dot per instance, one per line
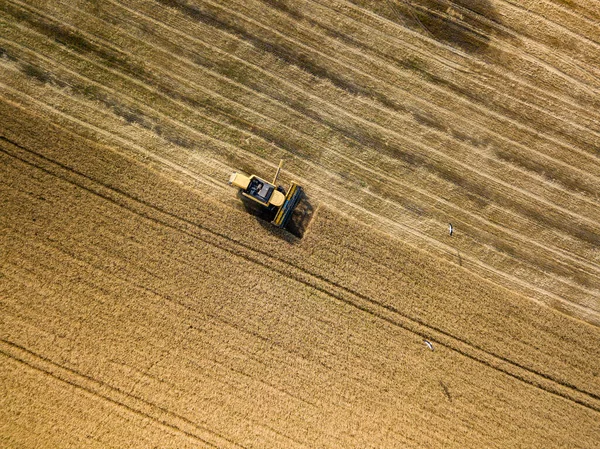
(272, 197)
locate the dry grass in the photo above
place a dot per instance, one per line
(136, 288)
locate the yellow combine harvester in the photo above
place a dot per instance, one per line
(272, 197)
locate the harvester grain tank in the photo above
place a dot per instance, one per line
(269, 195)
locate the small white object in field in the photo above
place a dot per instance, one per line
(429, 345)
(450, 228)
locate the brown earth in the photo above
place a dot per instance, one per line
(142, 306)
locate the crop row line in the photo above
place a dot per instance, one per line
(377, 42)
(111, 394)
(580, 310)
(330, 288)
(456, 211)
(241, 33)
(386, 26)
(503, 275)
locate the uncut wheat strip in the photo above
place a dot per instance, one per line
(121, 399)
(576, 310)
(40, 411)
(185, 309)
(114, 268)
(430, 48)
(191, 306)
(385, 46)
(180, 424)
(361, 59)
(269, 259)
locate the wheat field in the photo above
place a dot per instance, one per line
(143, 306)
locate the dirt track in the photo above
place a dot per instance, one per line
(142, 306)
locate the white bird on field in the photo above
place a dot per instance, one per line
(450, 228)
(428, 343)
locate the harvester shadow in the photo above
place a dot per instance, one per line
(296, 226)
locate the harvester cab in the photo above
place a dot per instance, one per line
(269, 195)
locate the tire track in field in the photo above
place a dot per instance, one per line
(362, 15)
(319, 19)
(583, 311)
(330, 288)
(531, 58)
(286, 352)
(574, 307)
(97, 389)
(377, 196)
(510, 31)
(563, 165)
(124, 280)
(291, 57)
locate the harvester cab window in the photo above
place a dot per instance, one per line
(260, 190)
